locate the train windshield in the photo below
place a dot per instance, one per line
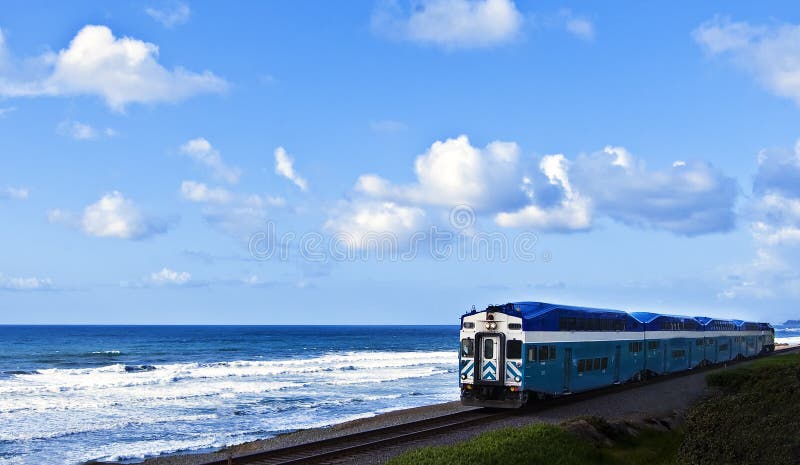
(467, 348)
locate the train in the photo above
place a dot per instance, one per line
(514, 353)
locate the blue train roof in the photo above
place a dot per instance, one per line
(529, 311)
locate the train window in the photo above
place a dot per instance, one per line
(572, 324)
(467, 348)
(723, 347)
(699, 342)
(678, 353)
(513, 326)
(596, 324)
(469, 325)
(532, 353)
(605, 363)
(514, 349)
(488, 348)
(597, 363)
(543, 353)
(619, 325)
(552, 352)
(635, 347)
(581, 365)
(652, 345)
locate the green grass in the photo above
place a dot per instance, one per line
(532, 445)
(548, 445)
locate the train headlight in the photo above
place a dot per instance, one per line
(517, 379)
(463, 376)
(492, 325)
(488, 326)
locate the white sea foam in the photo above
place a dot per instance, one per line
(194, 405)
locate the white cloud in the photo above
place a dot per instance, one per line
(770, 53)
(359, 223)
(170, 277)
(578, 26)
(199, 192)
(284, 166)
(238, 215)
(25, 284)
(450, 24)
(112, 216)
(453, 172)
(120, 70)
(689, 198)
(5, 111)
(572, 213)
(82, 131)
(201, 151)
(172, 15)
(15, 193)
(774, 214)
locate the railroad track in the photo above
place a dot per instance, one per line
(332, 449)
(328, 450)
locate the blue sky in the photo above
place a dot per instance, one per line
(148, 149)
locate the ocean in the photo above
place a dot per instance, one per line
(69, 394)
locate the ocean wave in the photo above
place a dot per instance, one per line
(202, 405)
(110, 353)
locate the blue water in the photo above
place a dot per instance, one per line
(69, 394)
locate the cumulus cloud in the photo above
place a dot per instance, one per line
(774, 214)
(562, 195)
(454, 172)
(770, 53)
(284, 166)
(11, 283)
(689, 198)
(450, 24)
(112, 216)
(171, 15)
(572, 213)
(120, 70)
(236, 214)
(15, 193)
(201, 151)
(82, 131)
(360, 223)
(167, 277)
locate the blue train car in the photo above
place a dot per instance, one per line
(513, 352)
(673, 342)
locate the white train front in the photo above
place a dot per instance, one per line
(517, 351)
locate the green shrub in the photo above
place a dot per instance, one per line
(755, 419)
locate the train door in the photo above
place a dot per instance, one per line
(490, 358)
(665, 361)
(567, 367)
(689, 360)
(617, 363)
